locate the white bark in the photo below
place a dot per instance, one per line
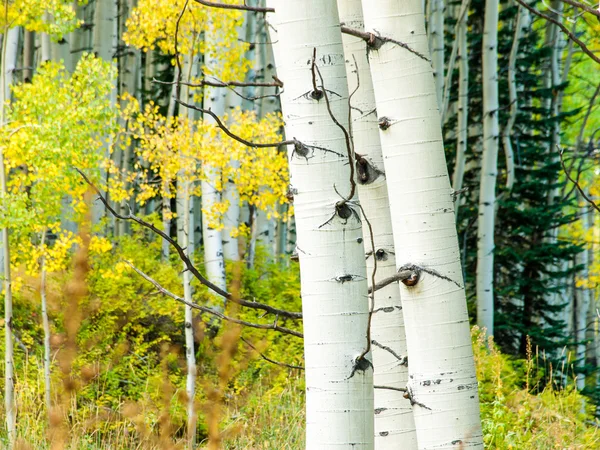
(462, 123)
(8, 62)
(339, 389)
(28, 55)
(489, 169)
(214, 100)
(46, 325)
(512, 98)
(442, 381)
(583, 298)
(394, 422)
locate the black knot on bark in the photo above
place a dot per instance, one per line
(343, 210)
(381, 255)
(384, 123)
(366, 172)
(317, 94)
(301, 149)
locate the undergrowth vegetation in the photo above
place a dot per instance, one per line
(122, 384)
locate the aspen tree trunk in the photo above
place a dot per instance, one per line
(10, 44)
(489, 169)
(436, 46)
(512, 97)
(105, 41)
(583, 297)
(442, 382)
(28, 55)
(185, 237)
(394, 422)
(46, 325)
(214, 263)
(339, 389)
(462, 123)
(190, 354)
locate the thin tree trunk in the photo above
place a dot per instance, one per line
(10, 44)
(512, 98)
(489, 169)
(462, 124)
(338, 371)
(46, 325)
(435, 312)
(28, 55)
(394, 422)
(583, 303)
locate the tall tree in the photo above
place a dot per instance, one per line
(338, 368)
(441, 378)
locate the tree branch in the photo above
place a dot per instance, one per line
(233, 136)
(581, 191)
(375, 42)
(213, 312)
(259, 9)
(272, 361)
(218, 83)
(583, 6)
(186, 260)
(564, 29)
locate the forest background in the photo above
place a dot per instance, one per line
(102, 356)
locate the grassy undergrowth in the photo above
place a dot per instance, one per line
(123, 386)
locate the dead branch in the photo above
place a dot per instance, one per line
(403, 275)
(564, 29)
(583, 6)
(273, 326)
(259, 9)
(272, 361)
(186, 260)
(276, 83)
(572, 180)
(375, 42)
(233, 136)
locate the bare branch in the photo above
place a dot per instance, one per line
(564, 29)
(272, 361)
(276, 83)
(259, 9)
(213, 312)
(375, 42)
(568, 175)
(186, 260)
(583, 6)
(400, 276)
(233, 136)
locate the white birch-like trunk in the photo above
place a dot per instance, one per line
(489, 171)
(105, 40)
(190, 355)
(394, 422)
(436, 46)
(46, 325)
(442, 382)
(214, 263)
(583, 297)
(339, 389)
(462, 123)
(10, 44)
(28, 55)
(512, 98)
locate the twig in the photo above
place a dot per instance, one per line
(215, 313)
(581, 191)
(583, 6)
(272, 361)
(233, 136)
(400, 276)
(391, 388)
(564, 29)
(259, 9)
(218, 83)
(188, 263)
(375, 42)
(178, 62)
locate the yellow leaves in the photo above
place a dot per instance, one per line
(99, 244)
(55, 17)
(154, 23)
